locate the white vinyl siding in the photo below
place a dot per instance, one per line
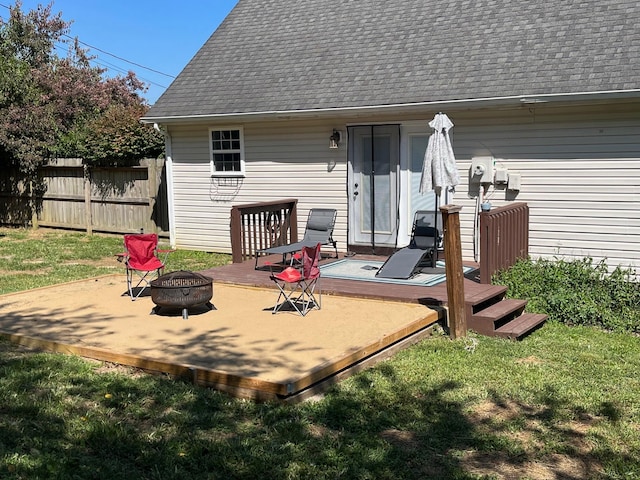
(282, 160)
(579, 167)
(580, 176)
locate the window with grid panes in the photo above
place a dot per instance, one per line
(227, 152)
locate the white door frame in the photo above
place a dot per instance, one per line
(366, 191)
(413, 139)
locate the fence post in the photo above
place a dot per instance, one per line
(454, 271)
(152, 185)
(88, 218)
(236, 235)
(34, 208)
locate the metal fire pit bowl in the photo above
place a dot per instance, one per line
(181, 289)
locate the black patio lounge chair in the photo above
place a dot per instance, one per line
(420, 254)
(319, 229)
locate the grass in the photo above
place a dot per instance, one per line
(37, 258)
(562, 403)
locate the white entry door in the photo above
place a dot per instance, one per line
(374, 152)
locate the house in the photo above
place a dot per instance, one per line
(544, 95)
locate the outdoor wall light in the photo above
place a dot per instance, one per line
(334, 139)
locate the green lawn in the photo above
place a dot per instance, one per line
(562, 403)
(36, 258)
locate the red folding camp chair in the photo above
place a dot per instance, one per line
(142, 262)
(298, 285)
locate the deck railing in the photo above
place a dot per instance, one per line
(504, 238)
(261, 225)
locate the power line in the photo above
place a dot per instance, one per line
(122, 59)
(113, 55)
(111, 66)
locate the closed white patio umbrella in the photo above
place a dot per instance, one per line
(439, 170)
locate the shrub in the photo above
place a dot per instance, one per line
(577, 292)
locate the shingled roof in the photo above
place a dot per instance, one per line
(283, 55)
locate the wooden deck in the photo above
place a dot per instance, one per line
(486, 310)
(436, 296)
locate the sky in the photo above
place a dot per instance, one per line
(154, 39)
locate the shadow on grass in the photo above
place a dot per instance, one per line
(62, 419)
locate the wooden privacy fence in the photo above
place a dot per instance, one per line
(504, 238)
(256, 226)
(69, 194)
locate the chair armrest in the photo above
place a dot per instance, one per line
(121, 257)
(165, 253)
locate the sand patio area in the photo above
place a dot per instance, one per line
(239, 344)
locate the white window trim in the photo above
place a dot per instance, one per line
(212, 168)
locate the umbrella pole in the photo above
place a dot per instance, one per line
(434, 257)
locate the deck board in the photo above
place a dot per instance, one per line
(245, 274)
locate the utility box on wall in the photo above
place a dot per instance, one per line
(514, 182)
(482, 169)
(502, 176)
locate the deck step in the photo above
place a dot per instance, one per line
(483, 298)
(488, 295)
(495, 315)
(500, 309)
(521, 325)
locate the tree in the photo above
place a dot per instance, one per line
(52, 106)
(118, 137)
(26, 45)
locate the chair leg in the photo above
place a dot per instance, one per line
(288, 298)
(143, 282)
(130, 283)
(308, 295)
(313, 297)
(301, 294)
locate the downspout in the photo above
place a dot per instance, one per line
(169, 177)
